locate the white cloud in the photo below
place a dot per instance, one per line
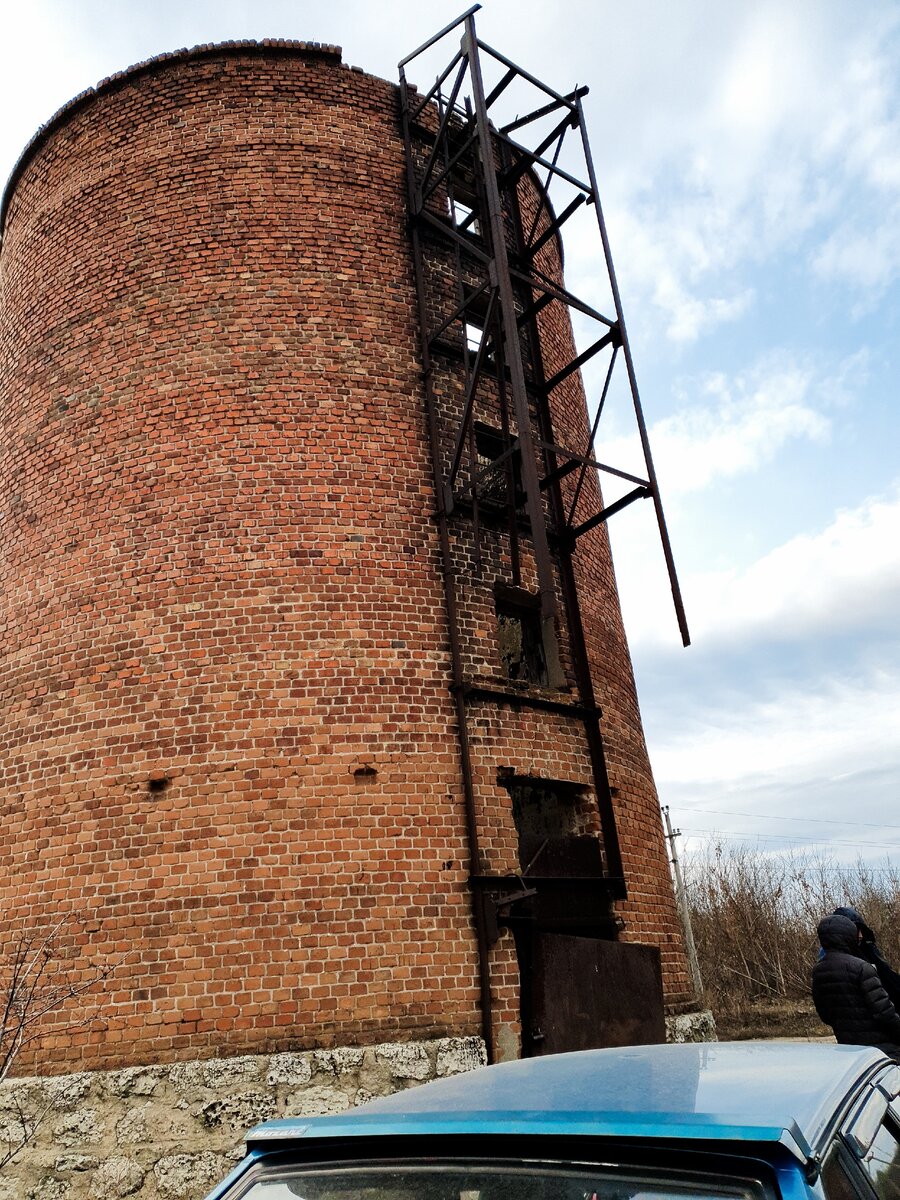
(865, 259)
(744, 422)
(845, 577)
(829, 727)
(668, 256)
(824, 755)
(742, 428)
(748, 424)
(692, 316)
(785, 142)
(812, 589)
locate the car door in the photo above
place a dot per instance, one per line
(864, 1159)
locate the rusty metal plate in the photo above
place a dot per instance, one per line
(590, 993)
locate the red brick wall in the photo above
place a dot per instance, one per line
(229, 750)
(218, 568)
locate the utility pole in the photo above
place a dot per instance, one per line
(683, 907)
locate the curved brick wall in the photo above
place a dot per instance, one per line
(223, 678)
(228, 743)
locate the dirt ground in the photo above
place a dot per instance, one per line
(772, 1020)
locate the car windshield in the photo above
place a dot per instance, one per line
(497, 1182)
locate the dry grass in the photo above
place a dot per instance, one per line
(754, 917)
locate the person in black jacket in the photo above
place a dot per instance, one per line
(868, 949)
(847, 992)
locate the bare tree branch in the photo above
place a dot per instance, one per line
(39, 981)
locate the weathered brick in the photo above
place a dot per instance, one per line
(229, 744)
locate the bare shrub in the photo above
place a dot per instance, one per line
(40, 980)
(754, 915)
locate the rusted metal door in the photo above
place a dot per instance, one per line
(589, 992)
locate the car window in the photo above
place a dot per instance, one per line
(479, 1182)
(838, 1177)
(881, 1162)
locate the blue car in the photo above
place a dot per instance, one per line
(714, 1121)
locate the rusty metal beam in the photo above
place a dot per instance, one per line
(532, 247)
(578, 362)
(435, 88)
(635, 394)
(466, 16)
(641, 493)
(475, 868)
(545, 111)
(470, 393)
(495, 221)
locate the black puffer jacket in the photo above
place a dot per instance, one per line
(868, 949)
(848, 994)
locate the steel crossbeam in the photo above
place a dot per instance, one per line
(481, 292)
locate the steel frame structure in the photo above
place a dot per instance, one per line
(480, 297)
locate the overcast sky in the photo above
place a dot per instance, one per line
(749, 165)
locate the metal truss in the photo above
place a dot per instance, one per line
(501, 289)
(485, 224)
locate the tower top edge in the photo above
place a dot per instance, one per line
(265, 47)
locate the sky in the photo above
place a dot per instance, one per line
(748, 157)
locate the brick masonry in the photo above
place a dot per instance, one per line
(229, 746)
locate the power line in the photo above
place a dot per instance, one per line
(724, 812)
(779, 837)
(817, 868)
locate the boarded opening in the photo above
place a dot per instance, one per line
(589, 992)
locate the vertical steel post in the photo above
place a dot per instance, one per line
(533, 500)
(632, 379)
(684, 908)
(484, 983)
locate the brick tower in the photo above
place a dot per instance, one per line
(311, 758)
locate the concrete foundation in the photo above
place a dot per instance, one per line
(170, 1132)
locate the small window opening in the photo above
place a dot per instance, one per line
(521, 638)
(553, 835)
(474, 320)
(464, 218)
(463, 204)
(474, 335)
(490, 446)
(543, 807)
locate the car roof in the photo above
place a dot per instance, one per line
(787, 1093)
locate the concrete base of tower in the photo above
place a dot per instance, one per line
(691, 1027)
(174, 1130)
